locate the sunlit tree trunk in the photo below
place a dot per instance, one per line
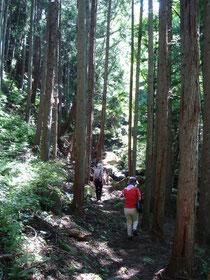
(30, 64)
(24, 39)
(81, 111)
(136, 112)
(7, 40)
(91, 86)
(169, 174)
(41, 103)
(100, 143)
(131, 94)
(150, 123)
(4, 30)
(204, 197)
(59, 75)
(50, 78)
(161, 127)
(37, 53)
(55, 92)
(182, 258)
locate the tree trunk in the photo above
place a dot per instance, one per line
(30, 64)
(37, 54)
(5, 21)
(137, 91)
(42, 97)
(169, 174)
(81, 114)
(59, 75)
(100, 144)
(55, 96)
(47, 114)
(91, 86)
(23, 49)
(131, 94)
(183, 249)
(150, 123)
(204, 197)
(70, 118)
(161, 128)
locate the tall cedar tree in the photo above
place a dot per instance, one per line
(100, 143)
(30, 64)
(182, 258)
(81, 112)
(50, 79)
(161, 127)
(91, 85)
(131, 94)
(169, 168)
(203, 216)
(136, 112)
(150, 122)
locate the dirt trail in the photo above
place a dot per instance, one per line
(106, 253)
(139, 257)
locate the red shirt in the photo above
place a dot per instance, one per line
(130, 194)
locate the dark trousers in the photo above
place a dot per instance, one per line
(98, 186)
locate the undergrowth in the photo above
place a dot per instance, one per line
(22, 178)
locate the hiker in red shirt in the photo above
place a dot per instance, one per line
(131, 193)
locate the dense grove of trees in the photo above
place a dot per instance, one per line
(74, 63)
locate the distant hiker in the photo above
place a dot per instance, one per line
(131, 194)
(98, 180)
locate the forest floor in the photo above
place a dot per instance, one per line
(101, 250)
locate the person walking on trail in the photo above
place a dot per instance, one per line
(98, 180)
(131, 194)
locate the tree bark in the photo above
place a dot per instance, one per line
(169, 174)
(136, 112)
(81, 114)
(131, 94)
(37, 54)
(183, 249)
(150, 123)
(30, 64)
(50, 76)
(100, 143)
(91, 86)
(23, 49)
(42, 96)
(204, 197)
(161, 128)
(59, 74)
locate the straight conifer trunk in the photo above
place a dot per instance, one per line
(150, 123)
(91, 85)
(183, 249)
(136, 112)
(169, 170)
(130, 170)
(30, 64)
(204, 201)
(81, 112)
(50, 77)
(100, 143)
(161, 127)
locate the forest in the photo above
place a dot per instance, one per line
(124, 83)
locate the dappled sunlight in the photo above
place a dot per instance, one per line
(33, 247)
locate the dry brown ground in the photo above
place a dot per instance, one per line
(104, 252)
